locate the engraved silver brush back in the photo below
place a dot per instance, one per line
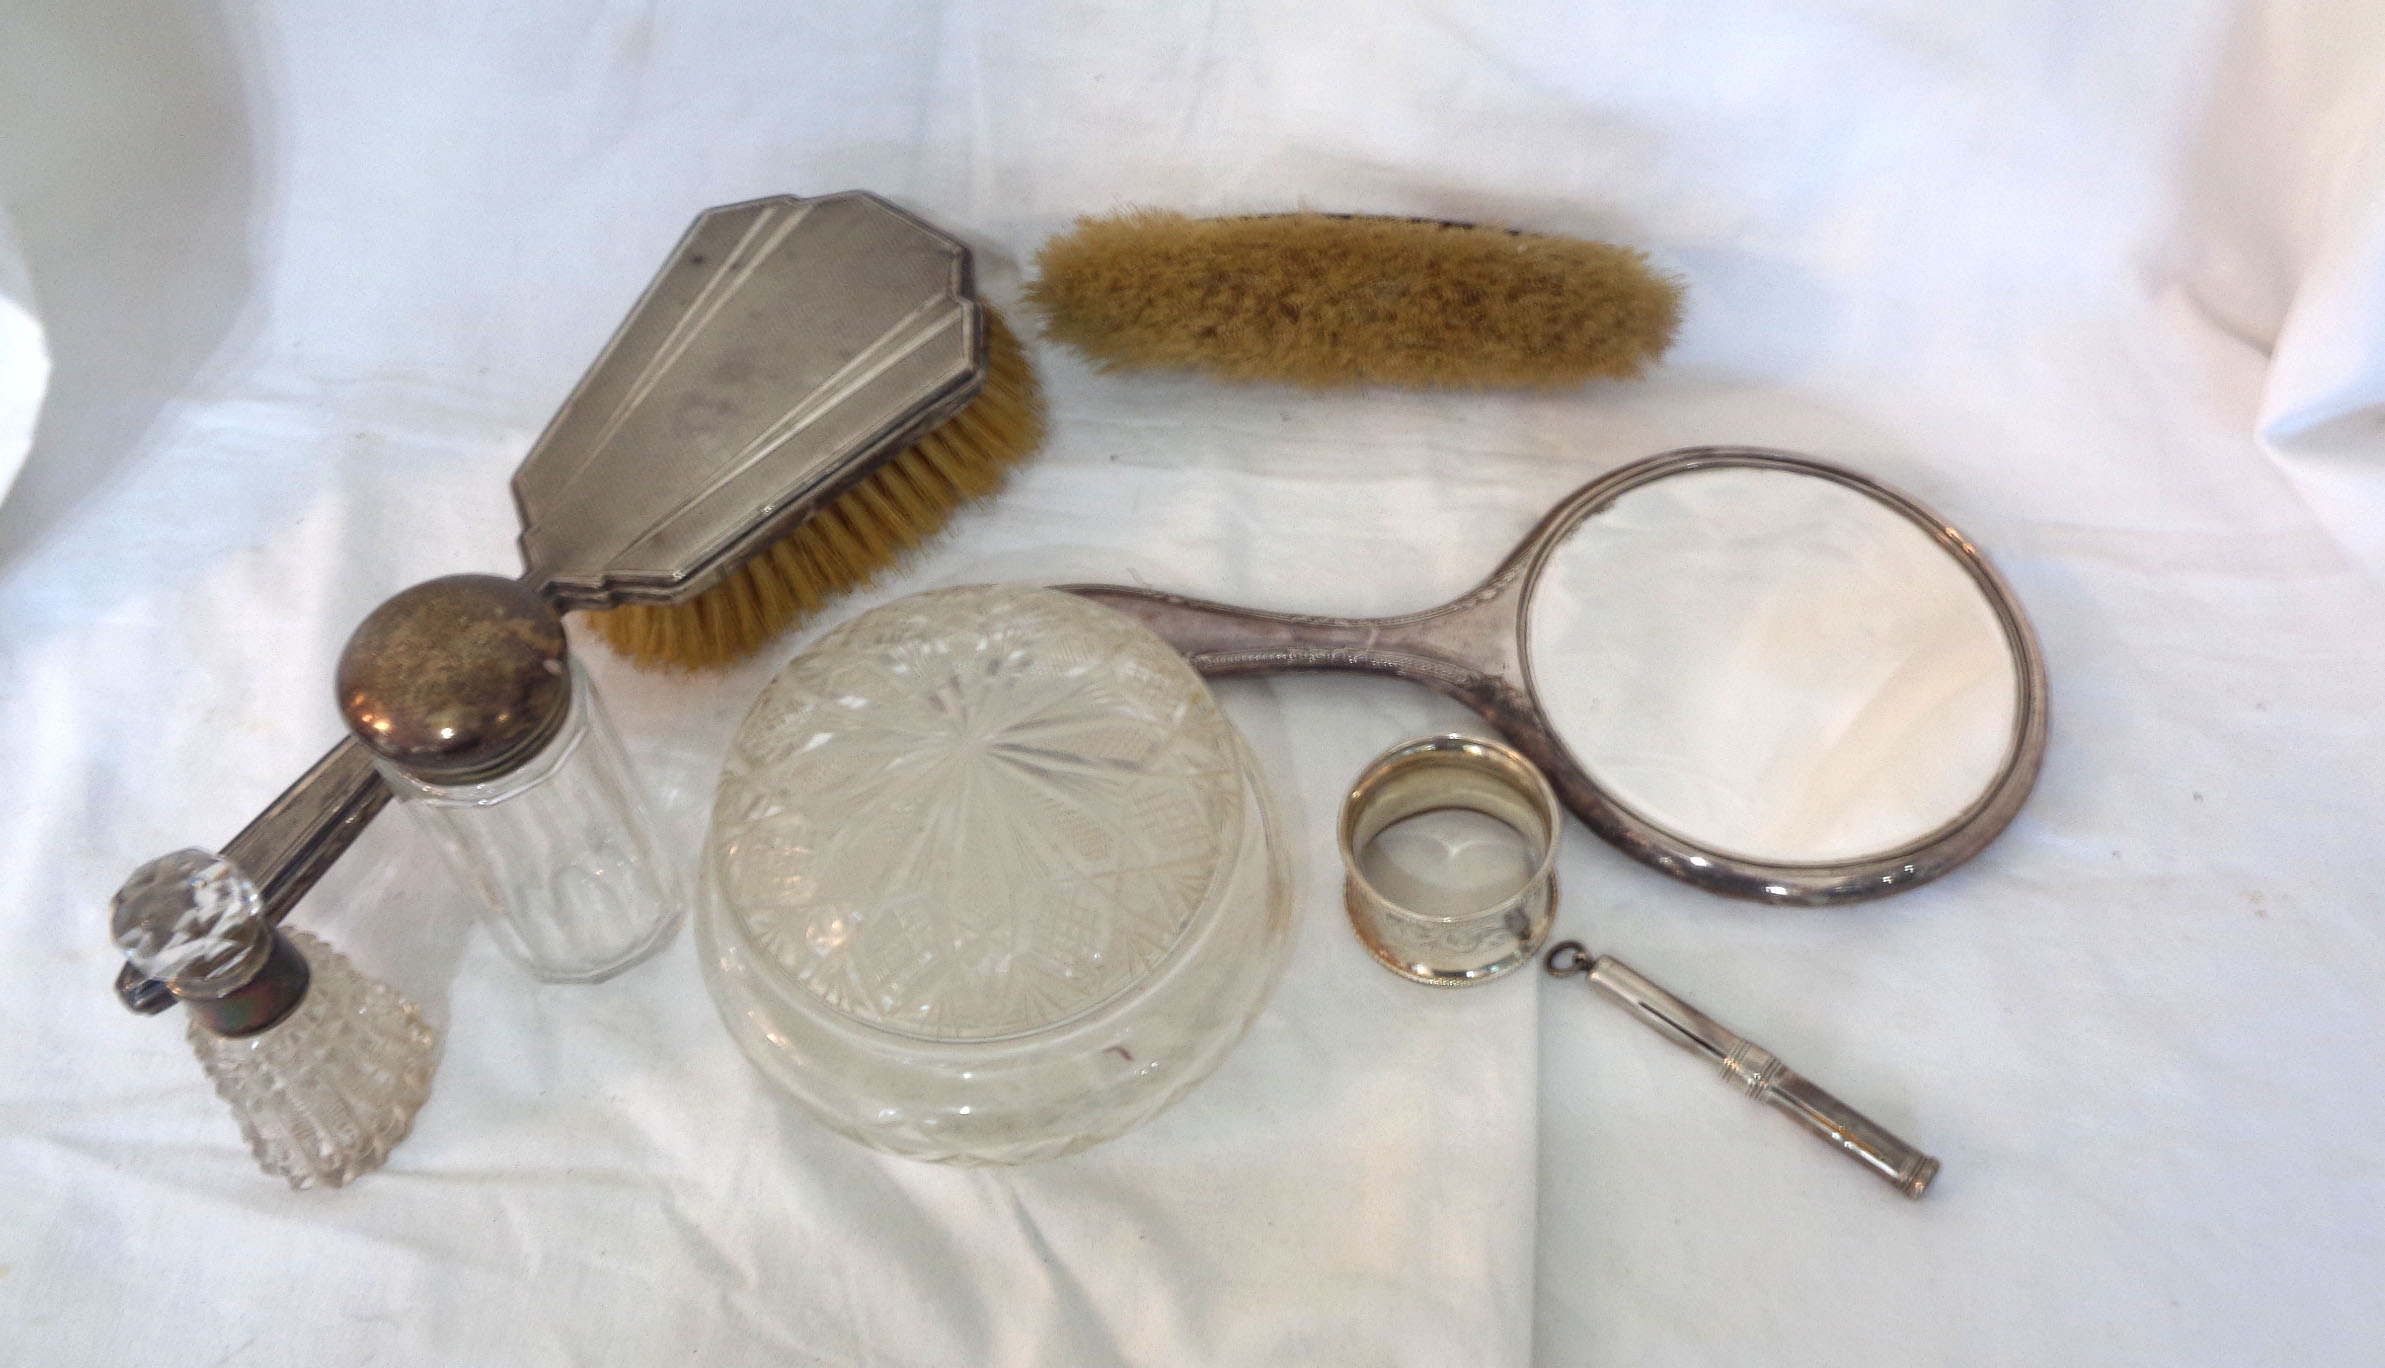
(786, 349)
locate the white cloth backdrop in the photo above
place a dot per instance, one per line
(24, 358)
(2106, 284)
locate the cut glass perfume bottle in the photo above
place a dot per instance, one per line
(323, 1066)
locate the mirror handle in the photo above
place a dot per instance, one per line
(1464, 649)
(1467, 650)
(1218, 638)
(1758, 1072)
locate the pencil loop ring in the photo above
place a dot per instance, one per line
(1568, 958)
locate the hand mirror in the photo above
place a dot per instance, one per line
(1767, 675)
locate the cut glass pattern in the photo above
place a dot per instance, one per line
(189, 918)
(976, 813)
(326, 1093)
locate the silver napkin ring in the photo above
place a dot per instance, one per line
(1460, 945)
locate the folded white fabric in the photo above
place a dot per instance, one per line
(2323, 412)
(24, 359)
(2285, 233)
(2038, 265)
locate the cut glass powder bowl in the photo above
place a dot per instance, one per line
(990, 878)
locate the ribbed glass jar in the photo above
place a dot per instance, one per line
(561, 850)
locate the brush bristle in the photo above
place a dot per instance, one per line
(855, 536)
(1320, 300)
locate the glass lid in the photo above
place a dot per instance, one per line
(977, 813)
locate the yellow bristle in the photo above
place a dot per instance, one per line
(1320, 300)
(855, 536)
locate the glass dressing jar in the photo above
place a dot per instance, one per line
(990, 878)
(465, 691)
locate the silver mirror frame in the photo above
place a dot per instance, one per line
(1476, 650)
(1916, 862)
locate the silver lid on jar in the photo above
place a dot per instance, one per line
(457, 680)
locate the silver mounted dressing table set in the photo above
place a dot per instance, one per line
(990, 878)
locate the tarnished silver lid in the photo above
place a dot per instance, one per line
(457, 680)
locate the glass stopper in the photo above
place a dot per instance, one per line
(193, 920)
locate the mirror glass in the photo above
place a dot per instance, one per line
(1772, 665)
